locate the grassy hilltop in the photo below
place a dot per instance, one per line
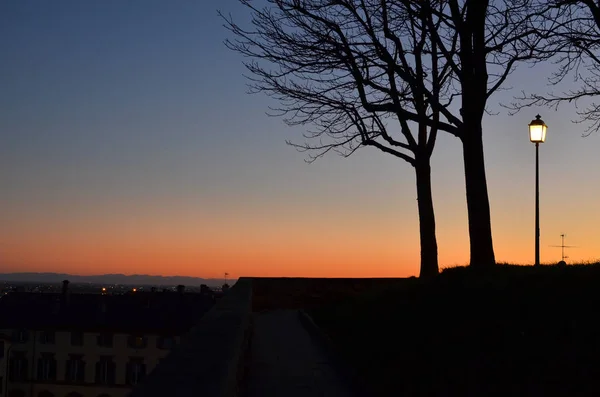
(513, 330)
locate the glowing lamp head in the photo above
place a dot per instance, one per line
(135, 290)
(103, 289)
(537, 130)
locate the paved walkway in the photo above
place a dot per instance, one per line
(285, 361)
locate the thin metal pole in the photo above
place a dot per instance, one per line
(537, 204)
(7, 374)
(33, 364)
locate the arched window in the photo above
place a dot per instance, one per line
(16, 393)
(45, 393)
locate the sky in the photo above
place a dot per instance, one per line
(129, 144)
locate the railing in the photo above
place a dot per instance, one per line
(209, 360)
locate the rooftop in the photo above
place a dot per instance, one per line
(171, 312)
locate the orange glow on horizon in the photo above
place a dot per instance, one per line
(378, 243)
(313, 261)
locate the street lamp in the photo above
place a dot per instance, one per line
(537, 135)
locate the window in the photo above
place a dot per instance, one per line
(165, 342)
(21, 336)
(46, 369)
(105, 371)
(136, 371)
(76, 338)
(47, 337)
(137, 341)
(105, 340)
(17, 367)
(75, 369)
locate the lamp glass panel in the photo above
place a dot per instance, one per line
(537, 133)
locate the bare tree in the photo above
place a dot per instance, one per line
(360, 73)
(483, 41)
(351, 66)
(573, 40)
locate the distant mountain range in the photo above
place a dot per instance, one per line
(134, 279)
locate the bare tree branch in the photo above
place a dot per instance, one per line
(574, 41)
(349, 70)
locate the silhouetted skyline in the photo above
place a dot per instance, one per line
(123, 279)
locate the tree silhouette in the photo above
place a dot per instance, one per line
(388, 74)
(363, 74)
(483, 41)
(574, 42)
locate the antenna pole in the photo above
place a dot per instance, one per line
(563, 246)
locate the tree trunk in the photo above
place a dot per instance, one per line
(478, 205)
(474, 84)
(429, 252)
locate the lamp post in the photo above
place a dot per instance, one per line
(537, 135)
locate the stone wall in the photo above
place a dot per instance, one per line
(209, 360)
(306, 293)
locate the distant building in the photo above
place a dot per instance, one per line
(89, 345)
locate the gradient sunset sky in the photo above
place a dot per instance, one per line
(128, 145)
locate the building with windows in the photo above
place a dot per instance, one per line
(89, 345)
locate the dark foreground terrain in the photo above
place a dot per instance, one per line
(512, 331)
